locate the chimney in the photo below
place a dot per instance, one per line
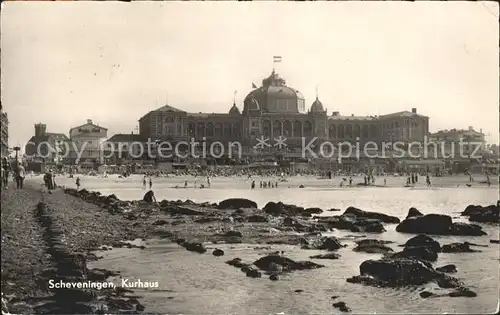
(89, 121)
(414, 110)
(40, 130)
(335, 113)
(352, 115)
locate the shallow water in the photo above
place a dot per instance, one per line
(201, 284)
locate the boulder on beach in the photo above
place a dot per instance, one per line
(218, 252)
(488, 214)
(372, 246)
(266, 263)
(395, 272)
(352, 223)
(236, 203)
(371, 215)
(458, 248)
(447, 268)
(323, 243)
(423, 240)
(413, 212)
(279, 208)
(326, 256)
(194, 247)
(438, 224)
(422, 253)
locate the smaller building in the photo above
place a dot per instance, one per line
(86, 148)
(46, 147)
(124, 148)
(458, 144)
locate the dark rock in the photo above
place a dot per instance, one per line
(462, 292)
(413, 212)
(257, 219)
(160, 222)
(371, 215)
(324, 243)
(236, 203)
(447, 268)
(182, 210)
(298, 291)
(274, 277)
(140, 307)
(352, 223)
(236, 262)
(233, 234)
(333, 209)
(426, 294)
(218, 252)
(438, 224)
(344, 309)
(194, 247)
(253, 273)
(396, 272)
(339, 304)
(265, 263)
(447, 282)
(495, 241)
(488, 214)
(313, 210)
(423, 240)
(372, 246)
(326, 256)
(423, 253)
(458, 248)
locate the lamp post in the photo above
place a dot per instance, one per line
(17, 149)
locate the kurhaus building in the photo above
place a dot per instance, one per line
(273, 110)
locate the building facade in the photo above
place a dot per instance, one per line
(86, 147)
(46, 146)
(4, 126)
(276, 110)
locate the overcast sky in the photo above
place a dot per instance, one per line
(113, 62)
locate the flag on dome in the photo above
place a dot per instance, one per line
(276, 58)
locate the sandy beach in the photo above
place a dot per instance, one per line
(85, 225)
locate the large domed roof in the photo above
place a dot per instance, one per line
(273, 89)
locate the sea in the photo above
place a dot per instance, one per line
(191, 283)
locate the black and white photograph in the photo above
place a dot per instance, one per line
(256, 157)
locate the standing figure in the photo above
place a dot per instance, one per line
(144, 182)
(20, 175)
(253, 185)
(78, 183)
(150, 183)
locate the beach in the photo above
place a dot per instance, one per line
(190, 282)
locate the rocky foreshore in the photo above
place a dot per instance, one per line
(70, 225)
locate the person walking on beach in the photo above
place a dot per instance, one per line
(20, 175)
(428, 180)
(149, 196)
(144, 182)
(150, 183)
(208, 181)
(78, 183)
(385, 181)
(185, 184)
(253, 185)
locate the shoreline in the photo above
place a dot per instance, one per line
(83, 222)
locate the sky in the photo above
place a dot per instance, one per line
(113, 62)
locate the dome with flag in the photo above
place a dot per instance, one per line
(317, 106)
(234, 110)
(274, 97)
